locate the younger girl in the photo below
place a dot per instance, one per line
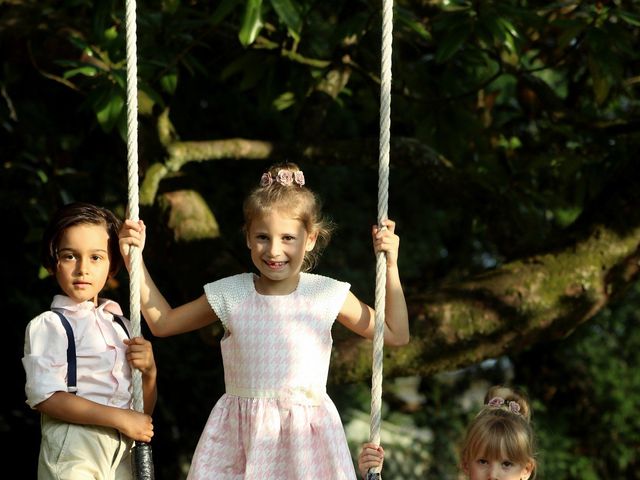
(87, 428)
(276, 420)
(498, 444)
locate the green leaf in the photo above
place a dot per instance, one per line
(599, 80)
(147, 98)
(238, 66)
(87, 71)
(145, 103)
(108, 105)
(407, 18)
(169, 82)
(452, 42)
(569, 32)
(630, 18)
(111, 34)
(250, 67)
(224, 9)
(120, 77)
(284, 101)
(251, 22)
(567, 215)
(495, 30)
(43, 273)
(80, 44)
(289, 15)
(456, 5)
(170, 6)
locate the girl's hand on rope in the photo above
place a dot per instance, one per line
(140, 355)
(134, 234)
(385, 240)
(135, 425)
(371, 456)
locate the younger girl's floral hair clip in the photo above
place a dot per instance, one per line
(499, 402)
(283, 177)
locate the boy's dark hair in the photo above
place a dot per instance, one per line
(79, 213)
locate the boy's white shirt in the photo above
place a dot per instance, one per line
(103, 372)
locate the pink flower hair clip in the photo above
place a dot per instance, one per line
(283, 177)
(499, 402)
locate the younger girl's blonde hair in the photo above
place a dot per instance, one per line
(282, 189)
(502, 428)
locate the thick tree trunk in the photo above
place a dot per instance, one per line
(541, 298)
(537, 298)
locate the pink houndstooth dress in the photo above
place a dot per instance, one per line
(275, 420)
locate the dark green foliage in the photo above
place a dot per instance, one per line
(587, 403)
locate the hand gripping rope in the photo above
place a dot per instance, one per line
(142, 455)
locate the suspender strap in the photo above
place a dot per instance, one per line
(71, 349)
(120, 321)
(71, 354)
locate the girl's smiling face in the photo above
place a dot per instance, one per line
(278, 244)
(83, 261)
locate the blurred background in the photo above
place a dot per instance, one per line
(514, 183)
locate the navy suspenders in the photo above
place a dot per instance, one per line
(71, 354)
(71, 349)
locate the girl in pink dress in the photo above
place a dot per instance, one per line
(276, 420)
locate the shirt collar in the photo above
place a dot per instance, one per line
(104, 304)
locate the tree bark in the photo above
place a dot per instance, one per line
(540, 297)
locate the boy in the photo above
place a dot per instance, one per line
(87, 429)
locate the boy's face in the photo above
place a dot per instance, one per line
(83, 262)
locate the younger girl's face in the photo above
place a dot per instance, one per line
(481, 468)
(278, 244)
(83, 262)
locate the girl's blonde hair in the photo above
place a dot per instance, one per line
(282, 188)
(501, 428)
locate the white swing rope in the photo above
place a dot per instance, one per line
(133, 200)
(383, 200)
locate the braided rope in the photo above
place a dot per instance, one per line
(132, 169)
(383, 200)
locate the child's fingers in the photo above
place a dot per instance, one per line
(130, 224)
(131, 237)
(132, 233)
(372, 451)
(138, 349)
(385, 226)
(390, 225)
(373, 446)
(386, 243)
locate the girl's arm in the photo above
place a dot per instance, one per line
(163, 320)
(359, 317)
(71, 408)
